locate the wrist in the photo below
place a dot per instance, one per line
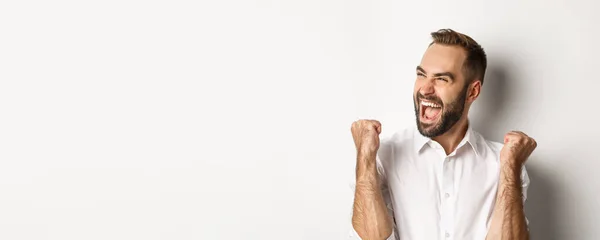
(366, 162)
(366, 155)
(510, 173)
(511, 163)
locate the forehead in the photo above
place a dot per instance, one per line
(443, 58)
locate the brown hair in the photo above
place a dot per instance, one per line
(476, 61)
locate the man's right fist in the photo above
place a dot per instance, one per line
(366, 136)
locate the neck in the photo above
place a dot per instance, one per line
(450, 139)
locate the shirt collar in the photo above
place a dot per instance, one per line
(470, 137)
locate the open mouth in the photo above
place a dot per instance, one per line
(430, 112)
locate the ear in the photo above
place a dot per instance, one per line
(474, 90)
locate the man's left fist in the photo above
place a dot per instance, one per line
(517, 148)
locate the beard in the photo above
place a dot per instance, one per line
(452, 113)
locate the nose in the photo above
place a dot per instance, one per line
(427, 88)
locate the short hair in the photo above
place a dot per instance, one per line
(475, 62)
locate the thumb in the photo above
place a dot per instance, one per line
(507, 139)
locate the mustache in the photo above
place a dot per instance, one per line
(431, 98)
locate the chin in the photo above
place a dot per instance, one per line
(428, 129)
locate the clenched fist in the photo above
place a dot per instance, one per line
(366, 137)
(517, 148)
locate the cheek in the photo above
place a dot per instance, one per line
(444, 96)
(449, 96)
(417, 86)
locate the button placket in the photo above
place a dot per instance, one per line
(448, 206)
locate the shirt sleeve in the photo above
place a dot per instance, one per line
(388, 202)
(524, 187)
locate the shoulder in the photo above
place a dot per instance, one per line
(493, 145)
(493, 148)
(400, 137)
(395, 142)
(486, 146)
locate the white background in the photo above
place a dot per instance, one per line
(230, 119)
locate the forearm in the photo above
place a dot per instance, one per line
(508, 219)
(370, 217)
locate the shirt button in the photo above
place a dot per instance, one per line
(447, 195)
(447, 234)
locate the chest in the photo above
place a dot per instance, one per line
(456, 193)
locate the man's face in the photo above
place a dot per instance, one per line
(440, 89)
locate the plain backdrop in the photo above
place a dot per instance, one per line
(231, 119)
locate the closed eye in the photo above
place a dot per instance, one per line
(441, 79)
(420, 74)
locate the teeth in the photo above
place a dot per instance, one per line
(430, 104)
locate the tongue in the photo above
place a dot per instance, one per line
(431, 112)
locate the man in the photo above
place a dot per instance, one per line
(441, 180)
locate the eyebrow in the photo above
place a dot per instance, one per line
(443, 74)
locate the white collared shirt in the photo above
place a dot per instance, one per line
(437, 196)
